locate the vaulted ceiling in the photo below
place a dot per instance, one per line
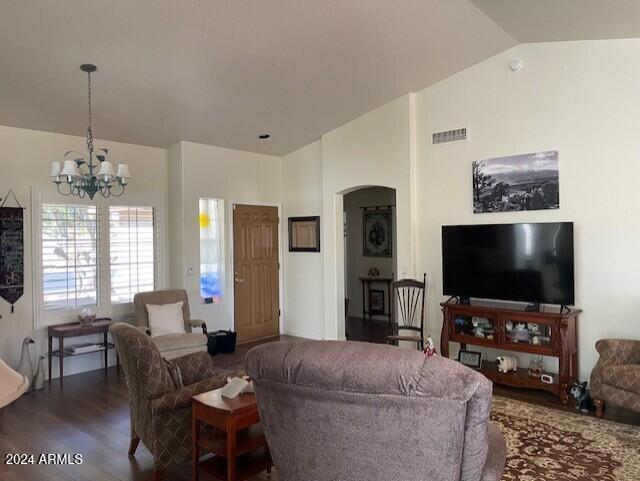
(222, 72)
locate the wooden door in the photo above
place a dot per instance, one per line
(256, 272)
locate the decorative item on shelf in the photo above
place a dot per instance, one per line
(518, 333)
(472, 359)
(377, 231)
(11, 251)
(304, 234)
(373, 272)
(26, 365)
(87, 317)
(87, 174)
(506, 364)
(547, 378)
(430, 347)
(536, 368)
(582, 396)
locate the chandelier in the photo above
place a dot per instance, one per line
(87, 174)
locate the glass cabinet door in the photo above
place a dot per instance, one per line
(527, 333)
(481, 329)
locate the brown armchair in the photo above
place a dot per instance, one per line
(616, 377)
(172, 345)
(160, 394)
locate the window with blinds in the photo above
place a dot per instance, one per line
(69, 255)
(131, 252)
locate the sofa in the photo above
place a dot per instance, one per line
(160, 393)
(171, 345)
(615, 379)
(356, 411)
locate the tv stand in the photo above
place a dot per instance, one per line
(550, 333)
(464, 301)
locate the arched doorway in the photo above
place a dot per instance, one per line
(369, 261)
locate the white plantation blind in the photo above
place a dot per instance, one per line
(131, 252)
(69, 255)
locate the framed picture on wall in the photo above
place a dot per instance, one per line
(377, 232)
(517, 182)
(376, 301)
(304, 234)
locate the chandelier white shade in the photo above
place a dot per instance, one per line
(87, 174)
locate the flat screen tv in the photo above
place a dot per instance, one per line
(512, 262)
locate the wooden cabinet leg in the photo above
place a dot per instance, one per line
(61, 358)
(599, 403)
(50, 357)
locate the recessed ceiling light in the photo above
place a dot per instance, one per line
(264, 136)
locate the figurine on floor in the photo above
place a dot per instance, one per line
(581, 394)
(430, 347)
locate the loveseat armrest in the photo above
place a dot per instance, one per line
(198, 323)
(614, 352)
(181, 398)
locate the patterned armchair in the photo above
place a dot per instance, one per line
(160, 394)
(616, 377)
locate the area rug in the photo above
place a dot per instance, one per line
(545, 444)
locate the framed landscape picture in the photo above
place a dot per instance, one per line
(304, 234)
(516, 182)
(377, 232)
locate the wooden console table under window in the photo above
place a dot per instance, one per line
(75, 329)
(367, 282)
(552, 333)
(238, 444)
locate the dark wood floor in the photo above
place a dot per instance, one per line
(367, 330)
(90, 416)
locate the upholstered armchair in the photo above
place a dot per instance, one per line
(160, 394)
(171, 345)
(616, 377)
(350, 410)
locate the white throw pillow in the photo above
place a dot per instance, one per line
(166, 319)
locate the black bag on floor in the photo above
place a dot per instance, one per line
(221, 342)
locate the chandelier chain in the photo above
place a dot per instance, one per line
(90, 115)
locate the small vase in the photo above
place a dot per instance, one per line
(38, 378)
(26, 365)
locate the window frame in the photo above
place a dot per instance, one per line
(46, 317)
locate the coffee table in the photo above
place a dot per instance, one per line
(237, 443)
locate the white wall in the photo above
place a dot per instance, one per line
(25, 160)
(206, 171)
(303, 271)
(581, 98)
(357, 265)
(372, 150)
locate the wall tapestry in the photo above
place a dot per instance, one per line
(377, 232)
(11, 253)
(516, 182)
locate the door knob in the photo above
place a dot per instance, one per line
(236, 278)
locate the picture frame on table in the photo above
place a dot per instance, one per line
(472, 359)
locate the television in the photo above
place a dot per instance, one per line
(513, 262)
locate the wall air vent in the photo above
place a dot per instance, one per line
(449, 136)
